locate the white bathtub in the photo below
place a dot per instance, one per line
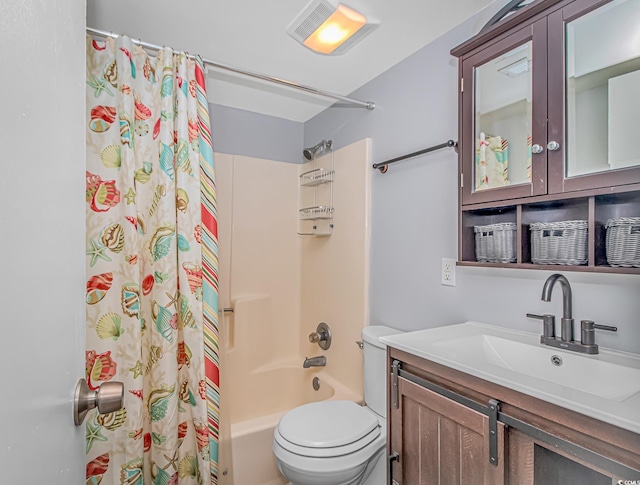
(266, 396)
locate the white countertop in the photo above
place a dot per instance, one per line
(470, 348)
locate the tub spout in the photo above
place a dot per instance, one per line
(319, 361)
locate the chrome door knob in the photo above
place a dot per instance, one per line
(553, 146)
(108, 398)
(537, 148)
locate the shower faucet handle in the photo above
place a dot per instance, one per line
(322, 336)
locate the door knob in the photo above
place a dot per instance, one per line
(108, 398)
(553, 146)
(537, 148)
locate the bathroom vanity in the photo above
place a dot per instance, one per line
(479, 404)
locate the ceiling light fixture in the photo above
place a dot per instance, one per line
(516, 68)
(328, 29)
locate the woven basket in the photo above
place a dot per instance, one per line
(623, 242)
(559, 242)
(496, 243)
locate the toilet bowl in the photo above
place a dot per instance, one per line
(331, 442)
(339, 442)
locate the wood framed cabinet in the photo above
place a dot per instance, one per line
(548, 103)
(447, 427)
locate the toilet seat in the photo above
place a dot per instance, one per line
(327, 429)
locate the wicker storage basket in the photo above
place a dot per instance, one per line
(496, 243)
(559, 242)
(623, 242)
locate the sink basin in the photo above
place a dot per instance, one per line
(576, 371)
(605, 386)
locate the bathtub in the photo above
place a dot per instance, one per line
(267, 394)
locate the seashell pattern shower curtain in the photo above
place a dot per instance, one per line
(151, 267)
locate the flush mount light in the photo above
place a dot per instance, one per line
(516, 68)
(328, 29)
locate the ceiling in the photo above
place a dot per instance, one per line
(251, 34)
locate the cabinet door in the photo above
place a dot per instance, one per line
(504, 114)
(594, 95)
(441, 442)
(532, 462)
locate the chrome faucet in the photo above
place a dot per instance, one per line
(319, 361)
(587, 344)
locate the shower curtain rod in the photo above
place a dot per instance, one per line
(217, 65)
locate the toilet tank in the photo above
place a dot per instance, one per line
(375, 367)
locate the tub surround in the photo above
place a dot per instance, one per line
(278, 300)
(254, 197)
(335, 269)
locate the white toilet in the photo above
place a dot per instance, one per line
(340, 442)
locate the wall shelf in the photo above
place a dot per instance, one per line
(316, 177)
(315, 216)
(596, 209)
(316, 213)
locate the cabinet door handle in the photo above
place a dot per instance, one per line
(537, 148)
(393, 457)
(553, 146)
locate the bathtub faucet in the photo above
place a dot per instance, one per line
(319, 361)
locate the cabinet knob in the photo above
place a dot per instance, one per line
(537, 148)
(553, 146)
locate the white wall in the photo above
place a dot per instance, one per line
(42, 253)
(414, 214)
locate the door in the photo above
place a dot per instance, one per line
(504, 118)
(594, 101)
(42, 247)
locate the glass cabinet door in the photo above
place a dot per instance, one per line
(600, 74)
(503, 122)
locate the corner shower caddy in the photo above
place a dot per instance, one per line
(316, 197)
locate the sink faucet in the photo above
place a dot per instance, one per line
(319, 361)
(587, 344)
(566, 326)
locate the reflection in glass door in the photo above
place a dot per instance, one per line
(503, 119)
(603, 89)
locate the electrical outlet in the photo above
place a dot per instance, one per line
(448, 274)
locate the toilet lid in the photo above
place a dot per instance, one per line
(328, 424)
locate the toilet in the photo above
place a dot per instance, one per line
(340, 442)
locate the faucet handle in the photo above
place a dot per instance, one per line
(588, 334)
(548, 324)
(322, 336)
(590, 325)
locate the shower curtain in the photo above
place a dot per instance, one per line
(151, 267)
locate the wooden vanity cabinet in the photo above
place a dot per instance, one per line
(439, 440)
(546, 98)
